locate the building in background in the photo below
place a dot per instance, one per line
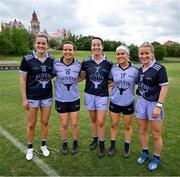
(12, 24)
(169, 43)
(35, 24)
(60, 34)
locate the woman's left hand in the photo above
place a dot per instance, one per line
(156, 112)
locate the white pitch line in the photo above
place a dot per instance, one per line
(40, 163)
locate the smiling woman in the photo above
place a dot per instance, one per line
(96, 69)
(67, 70)
(36, 89)
(151, 91)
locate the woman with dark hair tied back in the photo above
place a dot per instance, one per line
(95, 70)
(151, 91)
(67, 70)
(36, 89)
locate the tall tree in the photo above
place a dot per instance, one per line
(159, 50)
(20, 41)
(6, 43)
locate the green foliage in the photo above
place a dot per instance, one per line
(133, 52)
(54, 44)
(31, 40)
(159, 50)
(111, 45)
(6, 44)
(14, 41)
(20, 41)
(173, 50)
(84, 42)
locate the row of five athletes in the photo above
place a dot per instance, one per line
(38, 68)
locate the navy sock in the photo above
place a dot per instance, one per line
(64, 143)
(95, 139)
(113, 143)
(101, 144)
(146, 151)
(30, 146)
(126, 146)
(157, 157)
(43, 142)
(75, 142)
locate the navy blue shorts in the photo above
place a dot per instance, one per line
(126, 110)
(64, 107)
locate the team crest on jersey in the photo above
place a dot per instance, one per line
(67, 81)
(43, 68)
(143, 88)
(96, 78)
(122, 86)
(43, 79)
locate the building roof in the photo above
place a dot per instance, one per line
(34, 17)
(12, 24)
(169, 43)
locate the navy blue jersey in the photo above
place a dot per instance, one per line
(97, 76)
(151, 80)
(39, 74)
(124, 84)
(66, 83)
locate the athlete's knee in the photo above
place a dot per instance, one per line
(31, 125)
(64, 126)
(75, 125)
(142, 130)
(101, 124)
(44, 123)
(128, 127)
(114, 125)
(156, 135)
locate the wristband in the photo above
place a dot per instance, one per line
(159, 105)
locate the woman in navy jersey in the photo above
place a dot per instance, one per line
(36, 89)
(67, 97)
(124, 76)
(151, 91)
(96, 70)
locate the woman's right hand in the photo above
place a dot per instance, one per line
(25, 104)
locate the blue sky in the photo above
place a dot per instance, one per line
(129, 21)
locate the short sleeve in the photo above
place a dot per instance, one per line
(23, 66)
(162, 76)
(110, 75)
(53, 70)
(83, 66)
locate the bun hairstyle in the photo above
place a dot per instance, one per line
(123, 47)
(147, 44)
